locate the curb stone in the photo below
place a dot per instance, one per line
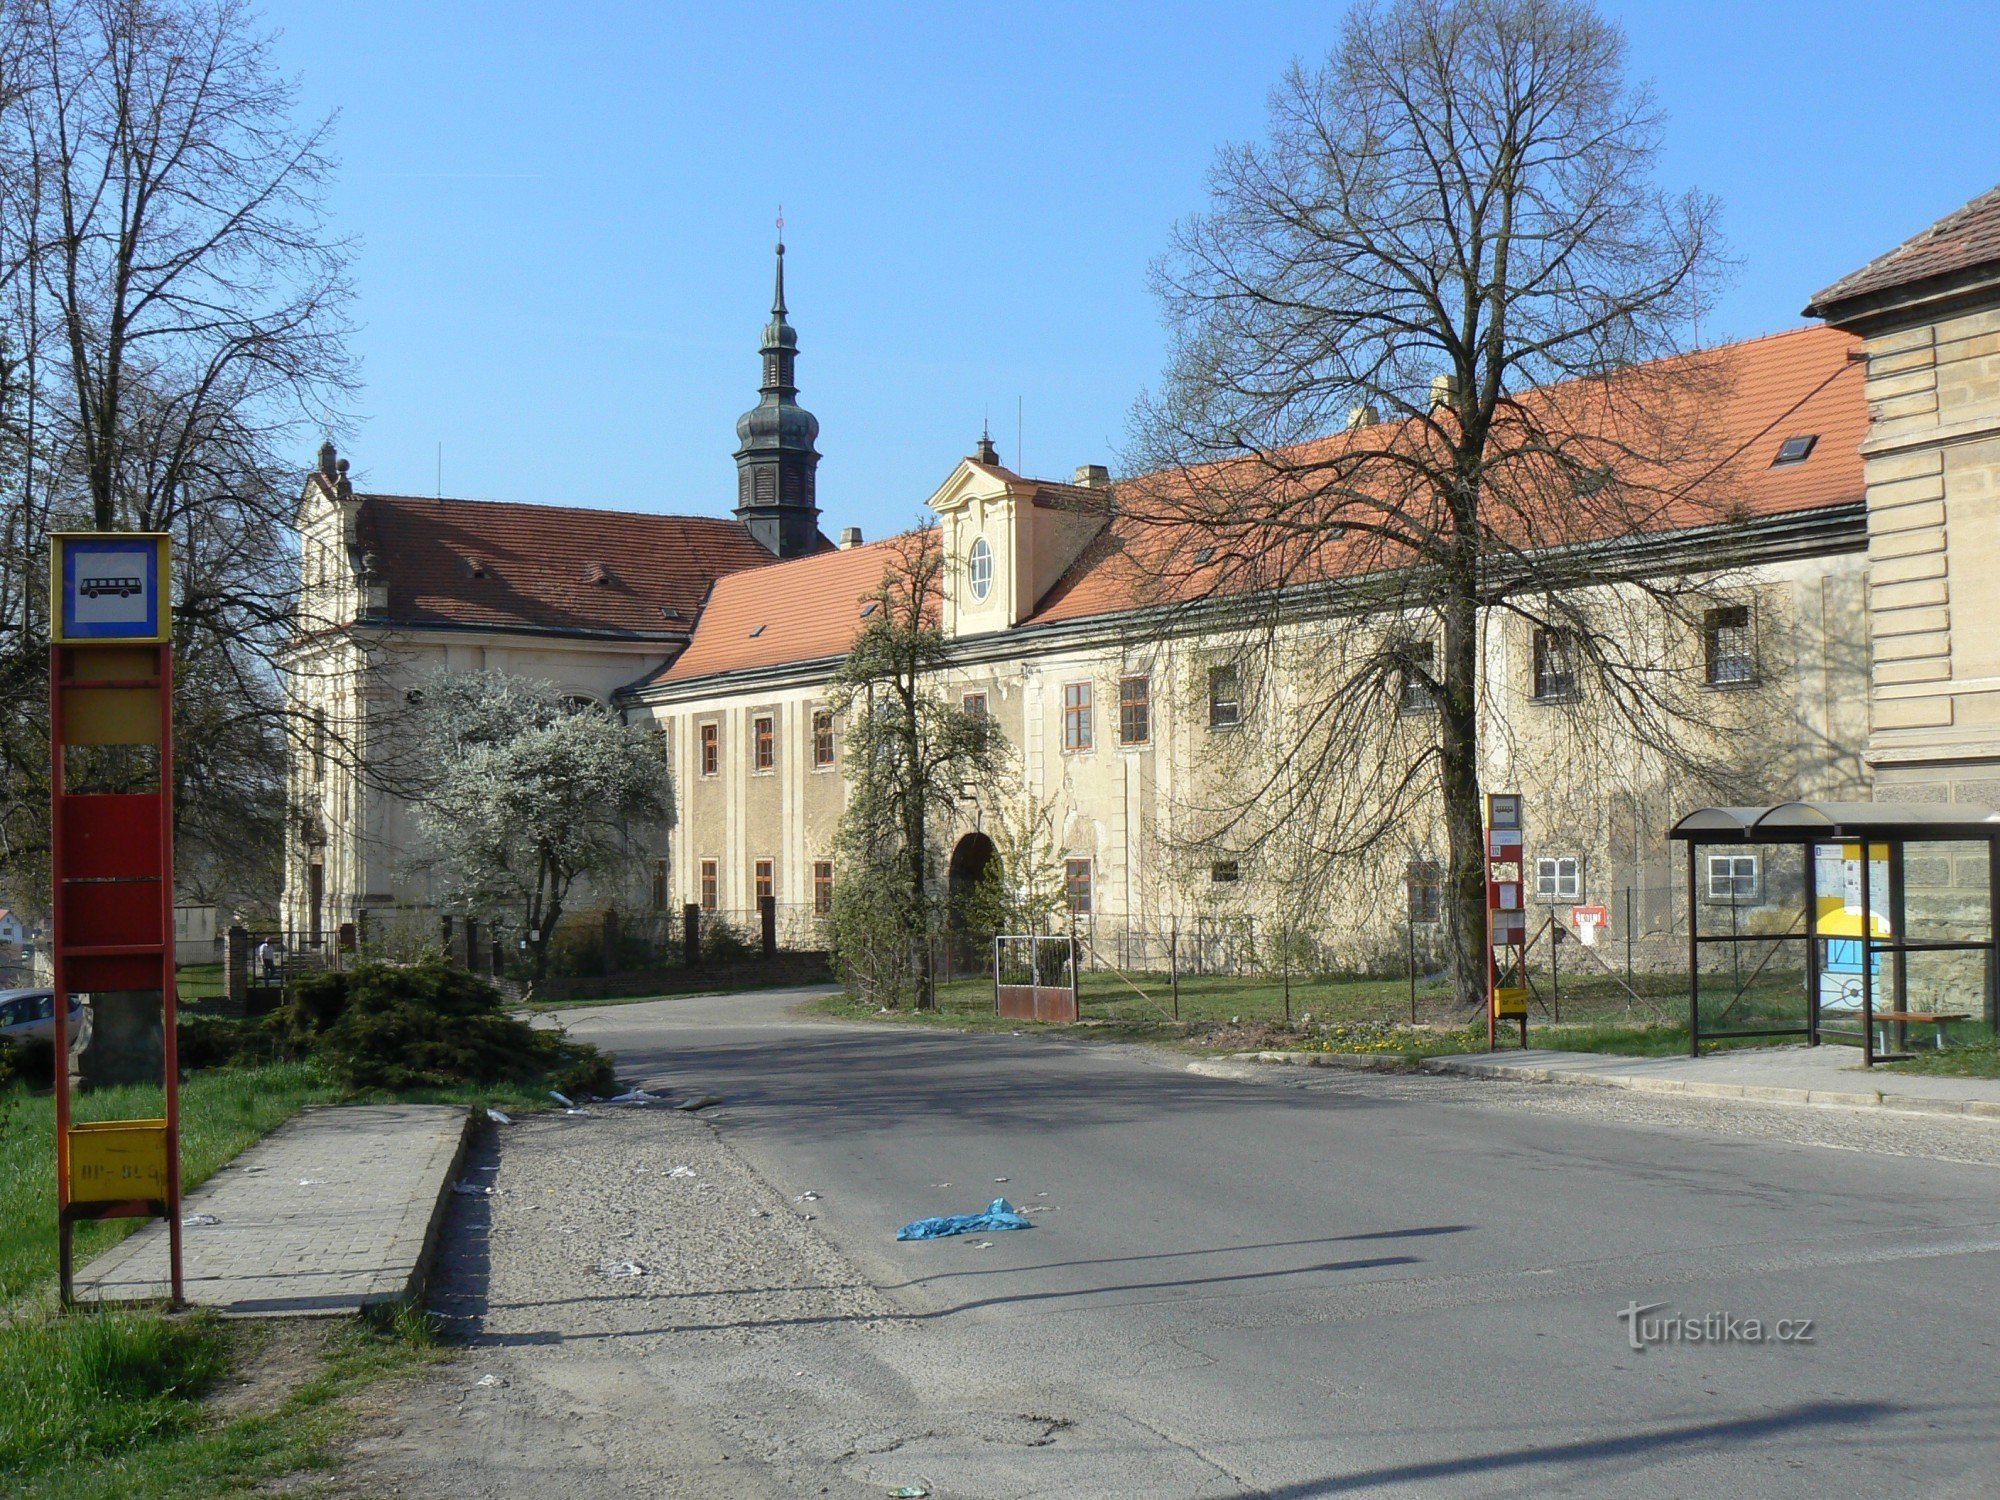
(1975, 1109)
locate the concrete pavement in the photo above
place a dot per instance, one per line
(335, 1210)
(1331, 1284)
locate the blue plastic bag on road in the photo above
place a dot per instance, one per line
(1000, 1214)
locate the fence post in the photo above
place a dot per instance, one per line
(767, 916)
(691, 935)
(1285, 958)
(1629, 923)
(1410, 931)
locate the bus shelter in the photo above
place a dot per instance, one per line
(1861, 923)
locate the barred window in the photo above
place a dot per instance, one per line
(1555, 664)
(1135, 710)
(1414, 691)
(1224, 871)
(1225, 697)
(1729, 646)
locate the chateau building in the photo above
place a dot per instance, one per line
(1858, 645)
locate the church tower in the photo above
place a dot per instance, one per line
(775, 465)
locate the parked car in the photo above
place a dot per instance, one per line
(26, 1014)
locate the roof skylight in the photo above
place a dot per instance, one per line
(1794, 450)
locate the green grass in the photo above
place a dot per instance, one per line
(693, 989)
(143, 1435)
(197, 982)
(1230, 1013)
(108, 1402)
(222, 1112)
(1979, 1059)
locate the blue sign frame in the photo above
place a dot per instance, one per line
(148, 575)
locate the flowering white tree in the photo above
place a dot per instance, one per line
(527, 797)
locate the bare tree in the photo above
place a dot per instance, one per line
(1428, 376)
(176, 310)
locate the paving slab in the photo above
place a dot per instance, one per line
(1828, 1076)
(334, 1211)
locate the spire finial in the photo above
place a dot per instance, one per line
(987, 453)
(778, 300)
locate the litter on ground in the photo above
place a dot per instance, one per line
(807, 1197)
(621, 1268)
(682, 1172)
(563, 1099)
(499, 1117)
(199, 1221)
(909, 1492)
(472, 1189)
(634, 1096)
(999, 1214)
(702, 1102)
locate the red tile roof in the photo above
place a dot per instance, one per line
(801, 610)
(1959, 241)
(500, 565)
(1764, 390)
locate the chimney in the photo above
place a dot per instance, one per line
(1444, 391)
(1091, 477)
(850, 537)
(1361, 416)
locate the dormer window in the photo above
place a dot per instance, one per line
(476, 566)
(597, 572)
(979, 569)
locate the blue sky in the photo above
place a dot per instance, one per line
(565, 213)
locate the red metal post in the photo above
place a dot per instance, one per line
(169, 985)
(59, 977)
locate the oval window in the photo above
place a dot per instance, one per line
(979, 569)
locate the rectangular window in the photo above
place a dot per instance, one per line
(1732, 877)
(1135, 710)
(761, 878)
(1558, 879)
(822, 737)
(1076, 886)
(822, 886)
(1555, 664)
(974, 704)
(711, 749)
(708, 884)
(1225, 697)
(1224, 871)
(1729, 646)
(1414, 692)
(1076, 716)
(1426, 886)
(659, 885)
(763, 743)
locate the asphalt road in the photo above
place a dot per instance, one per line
(1358, 1284)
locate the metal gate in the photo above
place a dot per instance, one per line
(1034, 977)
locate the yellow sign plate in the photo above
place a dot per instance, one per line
(111, 1161)
(1510, 1000)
